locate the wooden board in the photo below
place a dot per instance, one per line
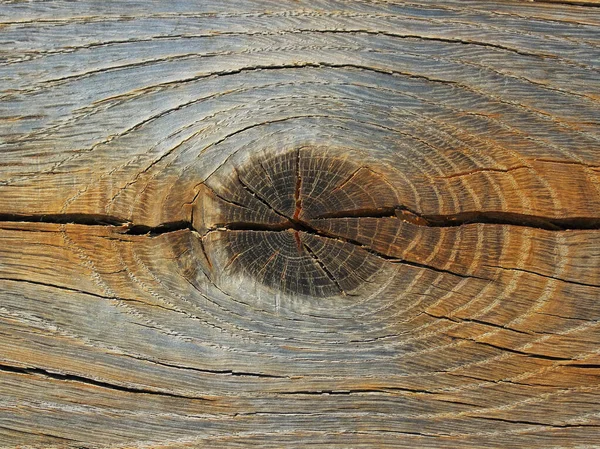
(299, 224)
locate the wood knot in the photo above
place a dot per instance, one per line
(282, 220)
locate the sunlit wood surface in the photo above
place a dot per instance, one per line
(337, 224)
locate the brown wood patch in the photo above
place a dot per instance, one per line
(291, 224)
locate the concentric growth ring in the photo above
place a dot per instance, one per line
(270, 217)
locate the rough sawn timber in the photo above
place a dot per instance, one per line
(115, 329)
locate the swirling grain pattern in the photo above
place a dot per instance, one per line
(299, 223)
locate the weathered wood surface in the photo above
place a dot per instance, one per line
(126, 322)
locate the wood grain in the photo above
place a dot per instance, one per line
(462, 297)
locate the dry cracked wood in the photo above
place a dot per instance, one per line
(296, 224)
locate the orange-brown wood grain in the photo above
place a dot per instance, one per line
(296, 224)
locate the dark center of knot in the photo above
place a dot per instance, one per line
(288, 221)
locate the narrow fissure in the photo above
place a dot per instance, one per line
(394, 259)
(430, 220)
(298, 189)
(381, 212)
(258, 197)
(465, 218)
(86, 380)
(301, 226)
(81, 219)
(324, 269)
(512, 219)
(222, 198)
(163, 228)
(347, 180)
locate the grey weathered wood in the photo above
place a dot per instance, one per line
(113, 114)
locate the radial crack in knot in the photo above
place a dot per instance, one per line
(264, 217)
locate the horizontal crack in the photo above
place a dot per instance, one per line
(380, 390)
(300, 225)
(293, 225)
(229, 372)
(473, 217)
(163, 228)
(303, 227)
(570, 2)
(519, 352)
(512, 219)
(81, 219)
(380, 212)
(583, 365)
(98, 220)
(534, 423)
(97, 383)
(476, 321)
(431, 220)
(535, 273)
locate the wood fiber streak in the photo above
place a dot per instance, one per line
(299, 224)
